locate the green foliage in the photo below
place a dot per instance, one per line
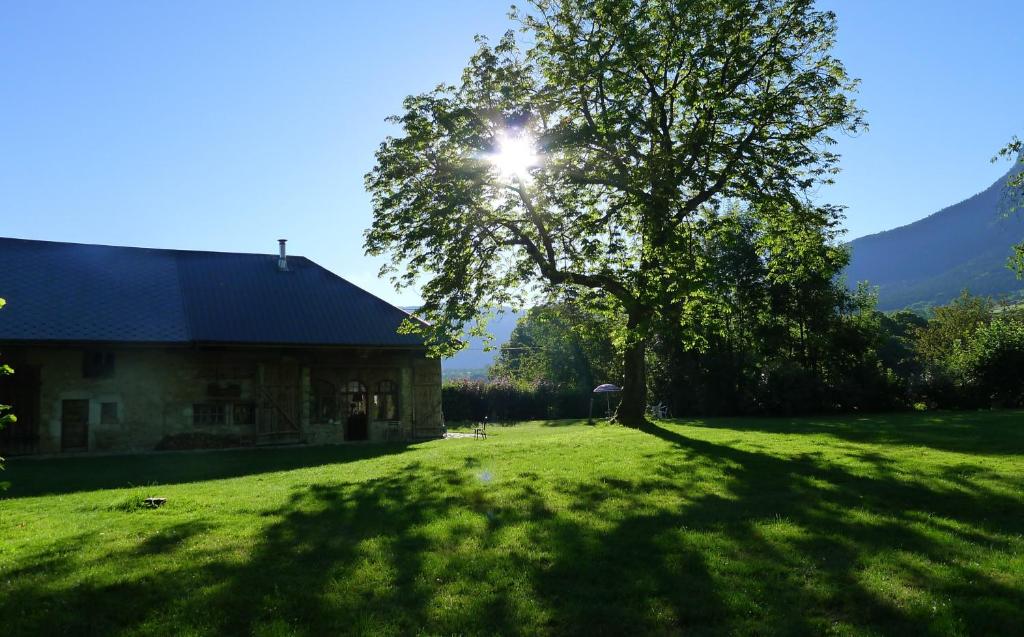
(991, 362)
(1016, 262)
(564, 344)
(790, 349)
(6, 417)
(897, 347)
(951, 328)
(504, 401)
(652, 120)
(1014, 150)
(779, 332)
(1015, 197)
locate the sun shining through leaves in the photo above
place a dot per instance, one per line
(515, 154)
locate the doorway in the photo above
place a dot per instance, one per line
(21, 391)
(354, 400)
(74, 425)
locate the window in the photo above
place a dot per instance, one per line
(323, 404)
(385, 401)
(97, 364)
(243, 414)
(108, 414)
(209, 414)
(353, 398)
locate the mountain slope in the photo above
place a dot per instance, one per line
(473, 357)
(930, 261)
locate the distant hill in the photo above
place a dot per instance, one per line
(474, 357)
(930, 261)
(473, 361)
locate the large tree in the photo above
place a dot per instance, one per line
(1015, 197)
(589, 158)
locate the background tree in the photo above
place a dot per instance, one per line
(588, 160)
(990, 363)
(939, 345)
(950, 327)
(897, 343)
(566, 344)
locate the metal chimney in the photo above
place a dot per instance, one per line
(282, 259)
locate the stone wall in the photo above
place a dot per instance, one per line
(150, 397)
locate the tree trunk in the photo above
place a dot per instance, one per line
(632, 410)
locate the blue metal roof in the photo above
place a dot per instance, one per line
(78, 292)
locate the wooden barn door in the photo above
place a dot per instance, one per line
(428, 419)
(278, 417)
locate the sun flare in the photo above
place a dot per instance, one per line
(516, 154)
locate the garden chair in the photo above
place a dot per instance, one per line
(480, 429)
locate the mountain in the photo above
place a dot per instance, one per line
(473, 358)
(930, 261)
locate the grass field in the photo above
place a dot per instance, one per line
(909, 524)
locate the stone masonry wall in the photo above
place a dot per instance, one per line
(156, 391)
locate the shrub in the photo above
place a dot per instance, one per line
(990, 363)
(787, 388)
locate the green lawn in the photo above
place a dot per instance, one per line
(908, 524)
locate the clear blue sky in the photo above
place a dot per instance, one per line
(225, 126)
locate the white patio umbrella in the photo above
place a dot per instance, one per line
(607, 389)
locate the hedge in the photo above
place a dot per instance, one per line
(500, 401)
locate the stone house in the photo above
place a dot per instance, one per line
(118, 349)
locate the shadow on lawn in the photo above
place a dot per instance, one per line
(446, 551)
(31, 477)
(981, 432)
(821, 497)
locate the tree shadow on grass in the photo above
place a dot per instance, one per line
(982, 432)
(927, 532)
(30, 477)
(383, 556)
(713, 540)
(171, 538)
(569, 423)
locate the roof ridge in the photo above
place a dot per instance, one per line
(366, 292)
(172, 250)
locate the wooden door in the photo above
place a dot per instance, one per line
(74, 424)
(278, 410)
(428, 410)
(428, 421)
(278, 414)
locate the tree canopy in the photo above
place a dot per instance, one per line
(1015, 195)
(565, 344)
(595, 159)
